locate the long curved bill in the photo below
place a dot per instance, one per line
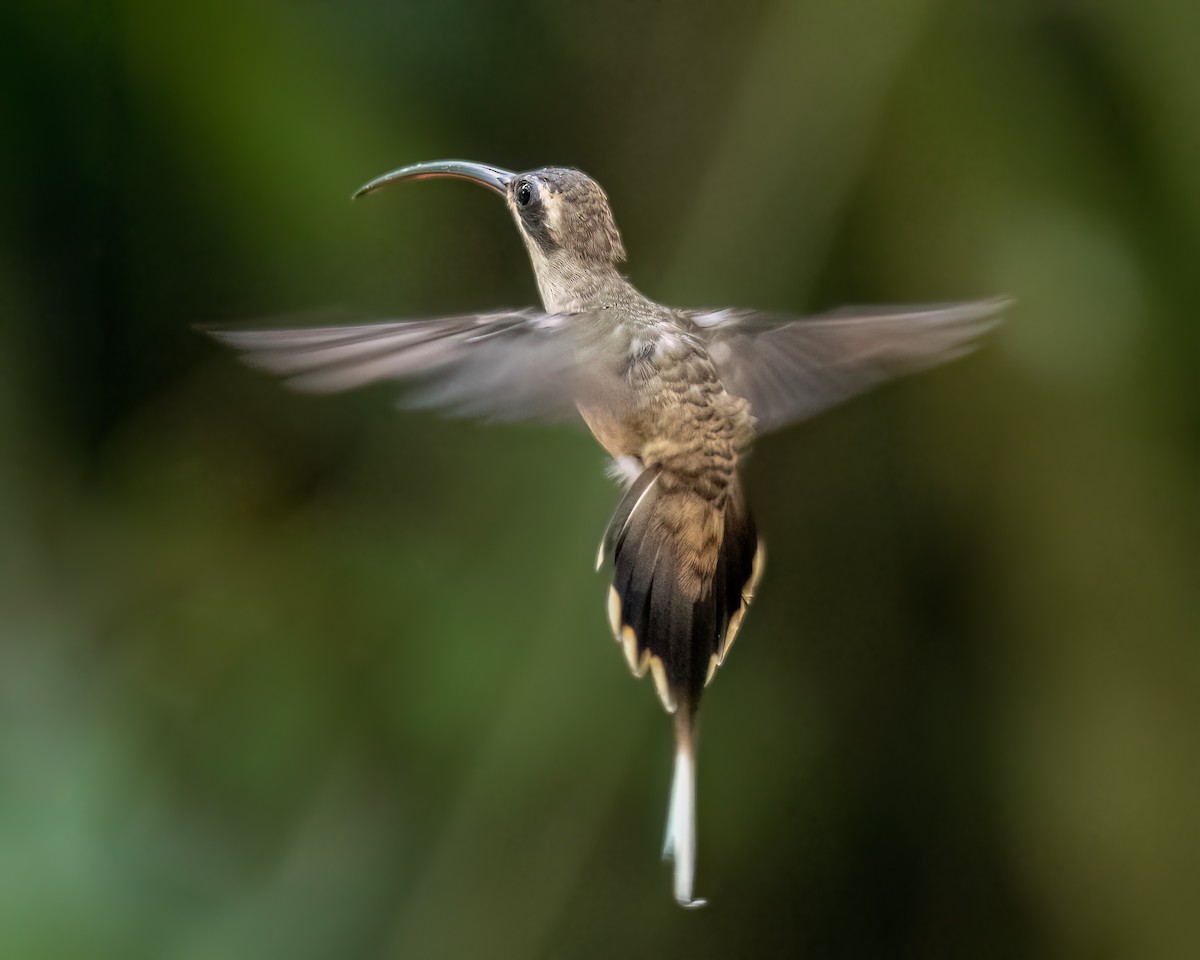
(494, 178)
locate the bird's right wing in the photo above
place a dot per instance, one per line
(791, 368)
(510, 365)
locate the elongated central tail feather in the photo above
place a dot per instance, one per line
(679, 845)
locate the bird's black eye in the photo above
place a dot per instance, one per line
(524, 193)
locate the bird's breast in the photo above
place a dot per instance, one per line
(668, 406)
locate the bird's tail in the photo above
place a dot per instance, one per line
(684, 570)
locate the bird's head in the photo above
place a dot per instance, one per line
(562, 213)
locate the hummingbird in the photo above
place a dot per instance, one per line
(674, 396)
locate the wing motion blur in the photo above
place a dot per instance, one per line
(530, 365)
(510, 365)
(791, 368)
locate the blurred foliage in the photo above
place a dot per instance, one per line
(295, 676)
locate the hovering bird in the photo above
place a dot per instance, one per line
(674, 396)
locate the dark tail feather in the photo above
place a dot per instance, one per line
(679, 632)
(739, 566)
(662, 624)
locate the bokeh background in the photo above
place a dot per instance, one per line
(285, 676)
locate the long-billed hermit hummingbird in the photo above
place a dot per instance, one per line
(675, 396)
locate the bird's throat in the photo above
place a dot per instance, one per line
(569, 285)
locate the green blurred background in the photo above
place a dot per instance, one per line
(285, 676)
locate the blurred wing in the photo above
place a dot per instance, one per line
(520, 364)
(789, 368)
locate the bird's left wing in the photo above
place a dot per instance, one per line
(510, 365)
(790, 368)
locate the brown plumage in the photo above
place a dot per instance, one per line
(674, 396)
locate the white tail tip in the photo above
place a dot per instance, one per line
(680, 842)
